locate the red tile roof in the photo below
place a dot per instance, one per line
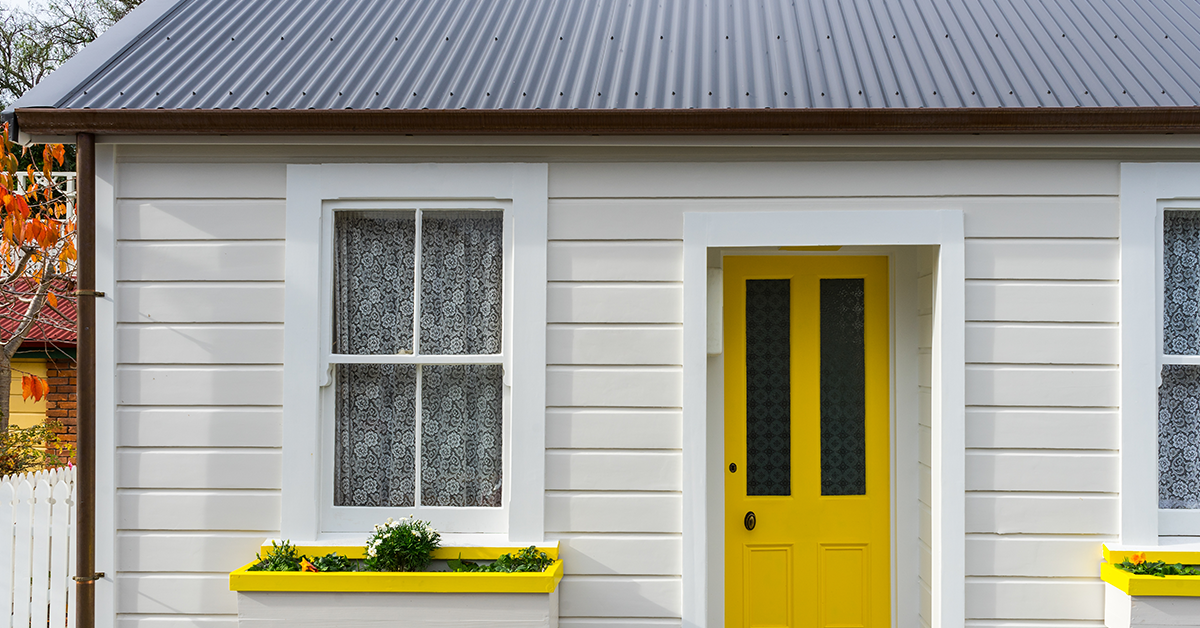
(55, 327)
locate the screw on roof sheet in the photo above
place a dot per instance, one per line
(710, 93)
(672, 93)
(1124, 92)
(972, 93)
(447, 39)
(414, 93)
(822, 93)
(635, 93)
(1085, 91)
(560, 38)
(339, 93)
(860, 92)
(560, 93)
(898, 93)
(785, 93)
(935, 93)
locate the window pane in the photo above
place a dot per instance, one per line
(373, 282)
(1181, 283)
(768, 387)
(1179, 437)
(462, 418)
(375, 437)
(843, 389)
(462, 265)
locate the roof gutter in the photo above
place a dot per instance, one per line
(50, 121)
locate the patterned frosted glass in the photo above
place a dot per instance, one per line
(374, 440)
(462, 422)
(1179, 437)
(768, 387)
(462, 270)
(373, 282)
(1181, 282)
(843, 389)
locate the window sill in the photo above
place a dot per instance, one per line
(242, 580)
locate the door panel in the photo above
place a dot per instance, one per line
(806, 442)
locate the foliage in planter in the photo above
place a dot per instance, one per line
(286, 557)
(1136, 564)
(528, 560)
(405, 544)
(280, 558)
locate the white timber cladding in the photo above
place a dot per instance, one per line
(199, 348)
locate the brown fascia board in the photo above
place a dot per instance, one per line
(48, 121)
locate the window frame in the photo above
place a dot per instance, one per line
(314, 193)
(1147, 190)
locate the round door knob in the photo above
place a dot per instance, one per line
(750, 520)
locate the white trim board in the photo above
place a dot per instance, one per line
(106, 399)
(941, 228)
(1146, 189)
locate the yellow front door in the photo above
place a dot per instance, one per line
(807, 518)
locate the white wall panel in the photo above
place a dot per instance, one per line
(621, 554)
(175, 593)
(614, 471)
(627, 303)
(1034, 556)
(199, 468)
(610, 596)
(614, 261)
(619, 622)
(1041, 514)
(200, 261)
(1077, 386)
(200, 344)
(208, 219)
(198, 510)
(1015, 343)
(200, 303)
(1035, 599)
(614, 344)
(186, 551)
(136, 620)
(1042, 471)
(1026, 177)
(1042, 259)
(198, 386)
(613, 512)
(199, 427)
(591, 428)
(646, 387)
(1042, 428)
(1048, 301)
(227, 180)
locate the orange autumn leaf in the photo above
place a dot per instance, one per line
(33, 387)
(59, 152)
(51, 299)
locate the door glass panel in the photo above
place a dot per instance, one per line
(843, 389)
(768, 387)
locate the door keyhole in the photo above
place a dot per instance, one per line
(750, 520)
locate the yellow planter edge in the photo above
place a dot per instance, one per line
(1166, 555)
(441, 553)
(244, 580)
(1133, 584)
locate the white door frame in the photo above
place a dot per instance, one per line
(883, 227)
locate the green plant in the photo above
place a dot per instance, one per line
(1136, 564)
(332, 562)
(283, 557)
(405, 544)
(526, 560)
(32, 448)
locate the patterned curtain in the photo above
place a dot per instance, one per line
(461, 418)
(1179, 393)
(1179, 437)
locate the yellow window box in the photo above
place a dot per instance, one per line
(1142, 600)
(426, 599)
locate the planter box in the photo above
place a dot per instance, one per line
(418, 599)
(1150, 601)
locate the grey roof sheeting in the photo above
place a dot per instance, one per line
(664, 54)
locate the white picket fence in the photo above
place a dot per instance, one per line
(37, 555)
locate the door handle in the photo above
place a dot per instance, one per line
(750, 521)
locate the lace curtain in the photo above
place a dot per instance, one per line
(461, 305)
(1181, 282)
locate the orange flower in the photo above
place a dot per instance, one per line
(307, 566)
(1137, 558)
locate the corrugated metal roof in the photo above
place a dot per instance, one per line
(663, 54)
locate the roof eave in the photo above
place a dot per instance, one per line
(49, 121)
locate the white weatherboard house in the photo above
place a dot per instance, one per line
(814, 313)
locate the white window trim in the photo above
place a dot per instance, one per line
(311, 191)
(1146, 190)
(884, 227)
